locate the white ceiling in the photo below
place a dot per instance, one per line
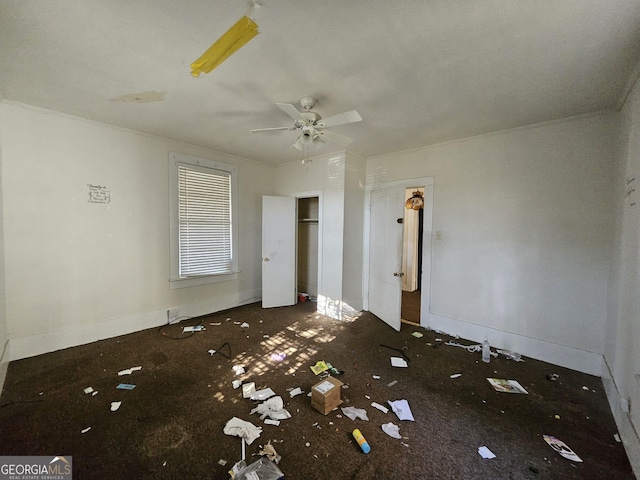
(418, 71)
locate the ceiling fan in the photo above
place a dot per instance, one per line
(311, 127)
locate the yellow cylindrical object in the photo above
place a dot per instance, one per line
(361, 441)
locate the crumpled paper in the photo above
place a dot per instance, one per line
(262, 394)
(401, 409)
(392, 430)
(272, 408)
(353, 413)
(242, 429)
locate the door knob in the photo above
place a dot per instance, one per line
(398, 274)
(265, 259)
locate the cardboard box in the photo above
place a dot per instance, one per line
(325, 395)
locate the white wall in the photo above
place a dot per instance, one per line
(4, 344)
(526, 219)
(355, 169)
(77, 270)
(621, 374)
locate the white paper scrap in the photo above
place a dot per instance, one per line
(238, 369)
(268, 421)
(129, 371)
(398, 362)
(94, 393)
(456, 375)
(616, 437)
(262, 394)
(376, 377)
(353, 413)
(88, 390)
(248, 389)
(215, 324)
(485, 452)
(401, 409)
(85, 430)
(236, 383)
(115, 406)
(296, 391)
(392, 430)
(382, 408)
(244, 325)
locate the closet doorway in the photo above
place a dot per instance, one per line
(308, 247)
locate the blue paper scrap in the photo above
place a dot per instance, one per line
(126, 386)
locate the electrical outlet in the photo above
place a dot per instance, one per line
(172, 315)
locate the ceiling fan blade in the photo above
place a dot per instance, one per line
(291, 111)
(341, 119)
(335, 137)
(259, 130)
(317, 141)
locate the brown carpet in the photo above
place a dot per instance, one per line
(170, 426)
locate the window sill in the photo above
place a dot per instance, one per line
(175, 283)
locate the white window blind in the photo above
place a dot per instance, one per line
(204, 221)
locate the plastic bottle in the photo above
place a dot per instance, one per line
(361, 441)
(486, 351)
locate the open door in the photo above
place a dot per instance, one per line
(385, 254)
(279, 223)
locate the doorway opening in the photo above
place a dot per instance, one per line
(412, 240)
(308, 248)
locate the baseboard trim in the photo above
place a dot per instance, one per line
(561, 355)
(409, 322)
(626, 430)
(32, 345)
(4, 364)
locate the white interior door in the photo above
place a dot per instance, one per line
(279, 223)
(385, 254)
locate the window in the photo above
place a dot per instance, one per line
(203, 221)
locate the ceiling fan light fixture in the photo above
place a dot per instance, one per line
(307, 138)
(298, 145)
(317, 141)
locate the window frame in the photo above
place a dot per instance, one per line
(175, 281)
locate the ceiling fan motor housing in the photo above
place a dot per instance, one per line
(308, 102)
(310, 119)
